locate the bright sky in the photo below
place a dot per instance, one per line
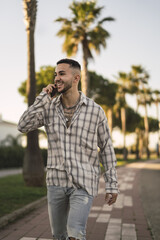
(135, 39)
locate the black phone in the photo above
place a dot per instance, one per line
(54, 91)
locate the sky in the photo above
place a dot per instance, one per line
(135, 40)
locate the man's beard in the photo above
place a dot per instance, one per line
(66, 88)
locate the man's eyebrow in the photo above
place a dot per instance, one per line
(62, 71)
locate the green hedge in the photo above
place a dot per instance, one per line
(12, 157)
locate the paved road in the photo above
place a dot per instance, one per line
(150, 194)
(7, 172)
(126, 220)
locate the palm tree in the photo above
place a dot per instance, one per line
(33, 167)
(145, 98)
(139, 77)
(82, 29)
(138, 80)
(123, 88)
(106, 97)
(156, 101)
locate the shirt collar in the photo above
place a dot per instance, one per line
(83, 99)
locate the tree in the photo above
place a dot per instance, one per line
(156, 101)
(139, 77)
(44, 77)
(121, 104)
(81, 29)
(103, 92)
(33, 167)
(106, 97)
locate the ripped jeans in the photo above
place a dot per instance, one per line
(68, 210)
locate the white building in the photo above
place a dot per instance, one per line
(10, 129)
(7, 129)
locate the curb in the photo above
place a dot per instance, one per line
(22, 211)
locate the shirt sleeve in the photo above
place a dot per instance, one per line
(33, 117)
(107, 156)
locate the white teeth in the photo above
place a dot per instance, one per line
(59, 84)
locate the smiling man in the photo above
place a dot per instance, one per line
(76, 127)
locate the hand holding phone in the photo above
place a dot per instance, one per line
(54, 91)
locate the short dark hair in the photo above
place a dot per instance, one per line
(71, 62)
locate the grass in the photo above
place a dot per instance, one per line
(14, 194)
(122, 162)
(131, 158)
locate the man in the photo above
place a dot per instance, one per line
(76, 126)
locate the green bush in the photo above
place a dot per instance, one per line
(118, 150)
(12, 157)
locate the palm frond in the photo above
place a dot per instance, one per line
(106, 19)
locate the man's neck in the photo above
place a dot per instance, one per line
(70, 98)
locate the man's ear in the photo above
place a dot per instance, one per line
(77, 78)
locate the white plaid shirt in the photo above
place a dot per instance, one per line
(73, 156)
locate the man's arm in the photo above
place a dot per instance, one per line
(33, 117)
(108, 160)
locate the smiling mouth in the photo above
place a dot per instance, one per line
(59, 84)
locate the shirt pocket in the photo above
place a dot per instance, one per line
(89, 139)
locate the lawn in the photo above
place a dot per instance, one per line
(14, 194)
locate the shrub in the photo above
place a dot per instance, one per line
(12, 157)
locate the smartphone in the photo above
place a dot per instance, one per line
(54, 91)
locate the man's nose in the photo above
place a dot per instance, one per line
(57, 79)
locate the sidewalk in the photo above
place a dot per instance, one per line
(7, 172)
(125, 220)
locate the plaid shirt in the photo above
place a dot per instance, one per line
(73, 156)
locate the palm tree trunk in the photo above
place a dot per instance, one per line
(157, 110)
(123, 119)
(33, 166)
(137, 103)
(110, 120)
(141, 144)
(146, 125)
(137, 143)
(85, 75)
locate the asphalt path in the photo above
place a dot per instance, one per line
(8, 172)
(150, 194)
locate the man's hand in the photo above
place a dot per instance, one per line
(49, 89)
(111, 198)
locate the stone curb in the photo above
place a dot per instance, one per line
(22, 211)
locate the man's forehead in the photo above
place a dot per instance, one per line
(62, 67)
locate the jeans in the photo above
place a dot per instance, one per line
(68, 210)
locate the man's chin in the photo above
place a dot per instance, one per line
(64, 90)
(61, 91)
